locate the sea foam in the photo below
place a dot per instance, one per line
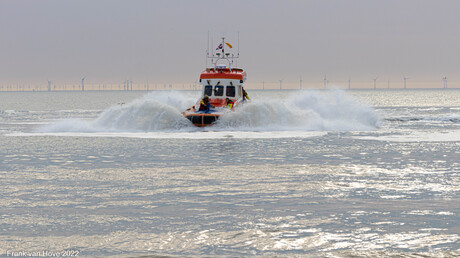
(161, 112)
(305, 110)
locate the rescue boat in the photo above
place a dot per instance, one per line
(220, 84)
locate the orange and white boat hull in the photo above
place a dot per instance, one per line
(201, 119)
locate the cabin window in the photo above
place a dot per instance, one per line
(208, 90)
(219, 90)
(230, 91)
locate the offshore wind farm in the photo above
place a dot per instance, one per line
(146, 85)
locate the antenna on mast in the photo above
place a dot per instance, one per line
(223, 46)
(238, 55)
(207, 50)
(238, 44)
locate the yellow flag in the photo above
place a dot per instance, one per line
(228, 44)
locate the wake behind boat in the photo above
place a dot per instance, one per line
(222, 89)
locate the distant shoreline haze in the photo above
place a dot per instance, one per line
(380, 85)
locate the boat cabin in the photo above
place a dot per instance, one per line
(221, 82)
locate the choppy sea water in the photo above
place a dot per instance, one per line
(293, 173)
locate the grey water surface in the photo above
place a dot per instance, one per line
(315, 173)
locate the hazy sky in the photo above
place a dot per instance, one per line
(165, 41)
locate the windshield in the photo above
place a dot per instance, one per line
(230, 91)
(219, 91)
(208, 90)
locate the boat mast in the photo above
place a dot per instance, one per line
(238, 55)
(215, 57)
(207, 51)
(223, 46)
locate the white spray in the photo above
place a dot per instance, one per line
(161, 112)
(304, 110)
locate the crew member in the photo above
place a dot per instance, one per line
(204, 104)
(229, 103)
(245, 95)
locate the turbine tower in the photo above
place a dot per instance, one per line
(49, 85)
(300, 82)
(325, 82)
(349, 84)
(375, 82)
(83, 83)
(281, 82)
(405, 81)
(444, 82)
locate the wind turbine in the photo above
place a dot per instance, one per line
(405, 79)
(444, 82)
(49, 85)
(375, 82)
(300, 82)
(83, 83)
(349, 83)
(325, 82)
(281, 82)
